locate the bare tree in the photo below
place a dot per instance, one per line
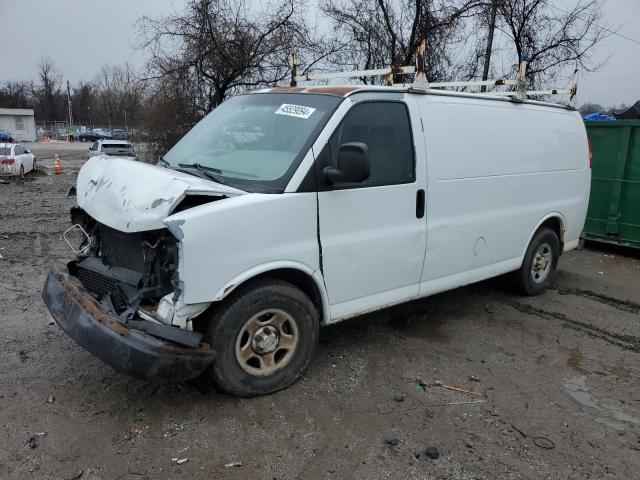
(49, 101)
(16, 95)
(380, 33)
(228, 45)
(85, 103)
(590, 107)
(169, 110)
(118, 93)
(551, 37)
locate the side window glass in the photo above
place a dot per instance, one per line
(385, 128)
(18, 150)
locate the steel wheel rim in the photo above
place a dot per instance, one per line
(267, 342)
(541, 263)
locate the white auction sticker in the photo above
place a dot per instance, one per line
(299, 111)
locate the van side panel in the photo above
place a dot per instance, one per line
(495, 170)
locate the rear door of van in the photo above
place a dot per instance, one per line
(373, 234)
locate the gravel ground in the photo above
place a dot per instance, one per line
(555, 381)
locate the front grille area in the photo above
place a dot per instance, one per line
(120, 248)
(125, 268)
(101, 285)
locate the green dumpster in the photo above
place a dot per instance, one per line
(614, 206)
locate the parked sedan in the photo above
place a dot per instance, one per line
(16, 159)
(113, 148)
(118, 134)
(5, 136)
(92, 136)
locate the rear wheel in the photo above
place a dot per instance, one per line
(35, 165)
(264, 336)
(539, 264)
(22, 171)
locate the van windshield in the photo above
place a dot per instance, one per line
(254, 142)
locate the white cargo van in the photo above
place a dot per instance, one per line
(291, 208)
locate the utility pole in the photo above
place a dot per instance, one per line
(487, 53)
(69, 105)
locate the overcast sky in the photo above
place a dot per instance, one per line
(81, 35)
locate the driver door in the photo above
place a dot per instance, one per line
(373, 234)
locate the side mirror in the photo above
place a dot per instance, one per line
(353, 164)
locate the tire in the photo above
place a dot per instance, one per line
(22, 172)
(35, 165)
(539, 264)
(247, 323)
(83, 139)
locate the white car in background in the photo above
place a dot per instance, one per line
(16, 159)
(113, 148)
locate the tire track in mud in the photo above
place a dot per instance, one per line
(627, 342)
(624, 305)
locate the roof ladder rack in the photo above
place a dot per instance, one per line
(421, 84)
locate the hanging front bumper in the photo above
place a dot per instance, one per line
(125, 348)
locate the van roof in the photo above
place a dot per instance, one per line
(347, 90)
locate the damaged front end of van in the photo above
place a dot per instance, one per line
(122, 297)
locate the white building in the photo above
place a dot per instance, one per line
(20, 122)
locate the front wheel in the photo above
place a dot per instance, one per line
(264, 336)
(539, 264)
(35, 165)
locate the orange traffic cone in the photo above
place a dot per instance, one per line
(57, 168)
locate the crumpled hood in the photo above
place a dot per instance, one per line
(132, 196)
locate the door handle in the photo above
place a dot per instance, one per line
(420, 203)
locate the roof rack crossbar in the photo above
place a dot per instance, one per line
(528, 93)
(474, 83)
(357, 73)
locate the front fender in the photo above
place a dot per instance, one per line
(225, 243)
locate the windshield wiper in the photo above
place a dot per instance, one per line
(163, 162)
(206, 171)
(199, 166)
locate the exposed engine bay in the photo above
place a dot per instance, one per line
(126, 269)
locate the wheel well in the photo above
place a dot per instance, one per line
(555, 224)
(299, 279)
(295, 277)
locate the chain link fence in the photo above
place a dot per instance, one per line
(56, 132)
